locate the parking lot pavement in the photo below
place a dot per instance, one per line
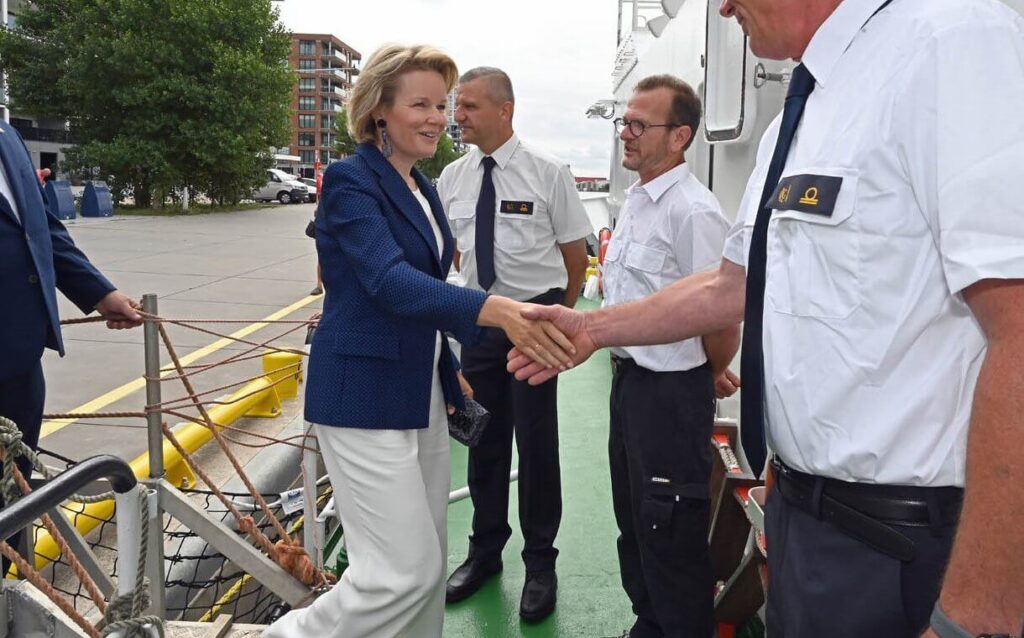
(245, 266)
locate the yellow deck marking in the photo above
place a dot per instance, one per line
(97, 404)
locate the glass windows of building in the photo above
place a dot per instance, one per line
(307, 84)
(307, 157)
(307, 121)
(307, 65)
(307, 103)
(307, 139)
(307, 47)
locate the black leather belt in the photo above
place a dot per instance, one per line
(866, 512)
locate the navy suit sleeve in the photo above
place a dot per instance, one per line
(78, 279)
(352, 217)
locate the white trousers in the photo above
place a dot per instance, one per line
(391, 490)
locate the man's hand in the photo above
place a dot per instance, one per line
(571, 323)
(120, 311)
(726, 384)
(42, 174)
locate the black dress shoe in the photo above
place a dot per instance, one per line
(469, 577)
(538, 596)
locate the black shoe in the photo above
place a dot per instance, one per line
(538, 596)
(469, 577)
(319, 290)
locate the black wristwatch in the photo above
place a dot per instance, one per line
(946, 628)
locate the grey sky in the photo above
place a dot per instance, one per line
(559, 54)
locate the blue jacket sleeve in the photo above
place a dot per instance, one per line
(77, 278)
(352, 217)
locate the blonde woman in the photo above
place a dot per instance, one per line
(380, 372)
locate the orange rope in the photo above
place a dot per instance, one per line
(293, 559)
(40, 583)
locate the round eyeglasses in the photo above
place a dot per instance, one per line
(636, 127)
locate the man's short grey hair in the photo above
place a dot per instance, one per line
(497, 81)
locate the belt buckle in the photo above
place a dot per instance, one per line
(779, 467)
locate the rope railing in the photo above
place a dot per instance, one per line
(13, 485)
(172, 407)
(123, 613)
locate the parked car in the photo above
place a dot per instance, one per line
(311, 185)
(283, 187)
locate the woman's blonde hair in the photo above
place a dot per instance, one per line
(379, 78)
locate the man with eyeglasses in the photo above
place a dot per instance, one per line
(662, 403)
(878, 259)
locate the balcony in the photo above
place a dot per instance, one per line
(335, 55)
(36, 134)
(334, 92)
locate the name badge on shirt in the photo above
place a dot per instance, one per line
(815, 194)
(516, 208)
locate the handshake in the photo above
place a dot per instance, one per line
(547, 339)
(552, 339)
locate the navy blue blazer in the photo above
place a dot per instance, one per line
(371, 363)
(37, 257)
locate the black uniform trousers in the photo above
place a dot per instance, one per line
(531, 413)
(660, 459)
(823, 582)
(21, 401)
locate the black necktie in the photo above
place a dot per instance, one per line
(485, 208)
(752, 360)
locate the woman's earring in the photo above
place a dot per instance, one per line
(385, 139)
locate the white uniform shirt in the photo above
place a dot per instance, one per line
(527, 260)
(5, 186)
(871, 354)
(669, 228)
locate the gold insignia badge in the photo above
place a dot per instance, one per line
(784, 195)
(810, 197)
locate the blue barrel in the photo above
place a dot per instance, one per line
(60, 199)
(96, 202)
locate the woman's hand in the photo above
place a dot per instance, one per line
(467, 390)
(539, 340)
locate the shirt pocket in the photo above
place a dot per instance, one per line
(462, 216)
(645, 265)
(516, 232)
(815, 267)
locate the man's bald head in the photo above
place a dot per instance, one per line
(497, 83)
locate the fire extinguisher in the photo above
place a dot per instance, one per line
(604, 237)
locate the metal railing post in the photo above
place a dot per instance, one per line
(311, 531)
(154, 419)
(154, 422)
(129, 536)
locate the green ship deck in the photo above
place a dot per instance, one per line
(591, 602)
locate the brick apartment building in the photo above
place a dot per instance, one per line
(326, 68)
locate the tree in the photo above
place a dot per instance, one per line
(160, 94)
(345, 144)
(445, 155)
(431, 166)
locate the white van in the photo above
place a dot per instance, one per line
(283, 187)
